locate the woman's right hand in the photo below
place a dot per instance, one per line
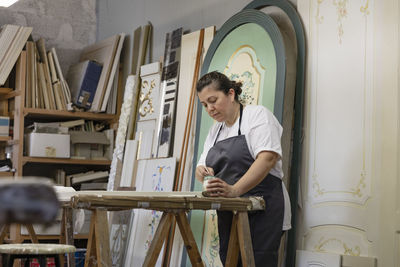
(202, 171)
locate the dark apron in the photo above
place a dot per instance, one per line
(230, 159)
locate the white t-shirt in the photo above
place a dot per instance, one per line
(263, 133)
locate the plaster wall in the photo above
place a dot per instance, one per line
(165, 16)
(66, 25)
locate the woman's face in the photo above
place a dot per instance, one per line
(218, 105)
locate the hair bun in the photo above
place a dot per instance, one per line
(237, 86)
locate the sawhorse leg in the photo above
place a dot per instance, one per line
(158, 239)
(162, 233)
(67, 235)
(188, 239)
(240, 239)
(98, 247)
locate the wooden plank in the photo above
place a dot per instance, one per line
(11, 94)
(45, 113)
(5, 138)
(3, 233)
(4, 90)
(233, 246)
(158, 240)
(154, 202)
(66, 161)
(244, 237)
(102, 239)
(188, 239)
(90, 257)
(67, 234)
(32, 233)
(20, 83)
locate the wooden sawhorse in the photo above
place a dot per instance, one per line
(174, 207)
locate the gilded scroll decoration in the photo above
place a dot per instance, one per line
(146, 102)
(319, 19)
(341, 9)
(364, 9)
(347, 250)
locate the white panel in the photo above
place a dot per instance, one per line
(353, 261)
(337, 239)
(145, 135)
(129, 162)
(149, 98)
(340, 101)
(315, 259)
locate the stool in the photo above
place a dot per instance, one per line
(28, 251)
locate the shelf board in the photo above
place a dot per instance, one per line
(4, 90)
(62, 114)
(66, 161)
(6, 174)
(54, 237)
(5, 138)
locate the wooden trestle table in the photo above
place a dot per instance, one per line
(174, 206)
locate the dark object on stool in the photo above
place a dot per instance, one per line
(10, 252)
(27, 201)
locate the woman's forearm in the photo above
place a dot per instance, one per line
(264, 162)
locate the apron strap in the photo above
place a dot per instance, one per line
(240, 123)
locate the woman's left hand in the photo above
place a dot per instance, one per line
(218, 188)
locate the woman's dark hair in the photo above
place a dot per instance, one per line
(220, 83)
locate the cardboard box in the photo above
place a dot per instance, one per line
(47, 145)
(89, 145)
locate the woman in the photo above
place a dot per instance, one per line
(243, 152)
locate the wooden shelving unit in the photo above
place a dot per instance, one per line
(20, 115)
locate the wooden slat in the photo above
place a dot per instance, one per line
(65, 161)
(233, 246)
(11, 94)
(244, 237)
(5, 138)
(161, 202)
(32, 233)
(102, 239)
(5, 90)
(3, 233)
(60, 114)
(188, 239)
(90, 258)
(158, 240)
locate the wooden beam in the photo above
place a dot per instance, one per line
(233, 246)
(102, 239)
(188, 239)
(158, 240)
(244, 236)
(32, 233)
(4, 231)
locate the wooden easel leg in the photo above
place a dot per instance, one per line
(244, 237)
(233, 246)
(90, 258)
(102, 239)
(67, 235)
(32, 233)
(188, 239)
(158, 240)
(4, 230)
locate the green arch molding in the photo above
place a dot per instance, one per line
(268, 24)
(287, 7)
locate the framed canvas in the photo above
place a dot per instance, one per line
(153, 175)
(248, 48)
